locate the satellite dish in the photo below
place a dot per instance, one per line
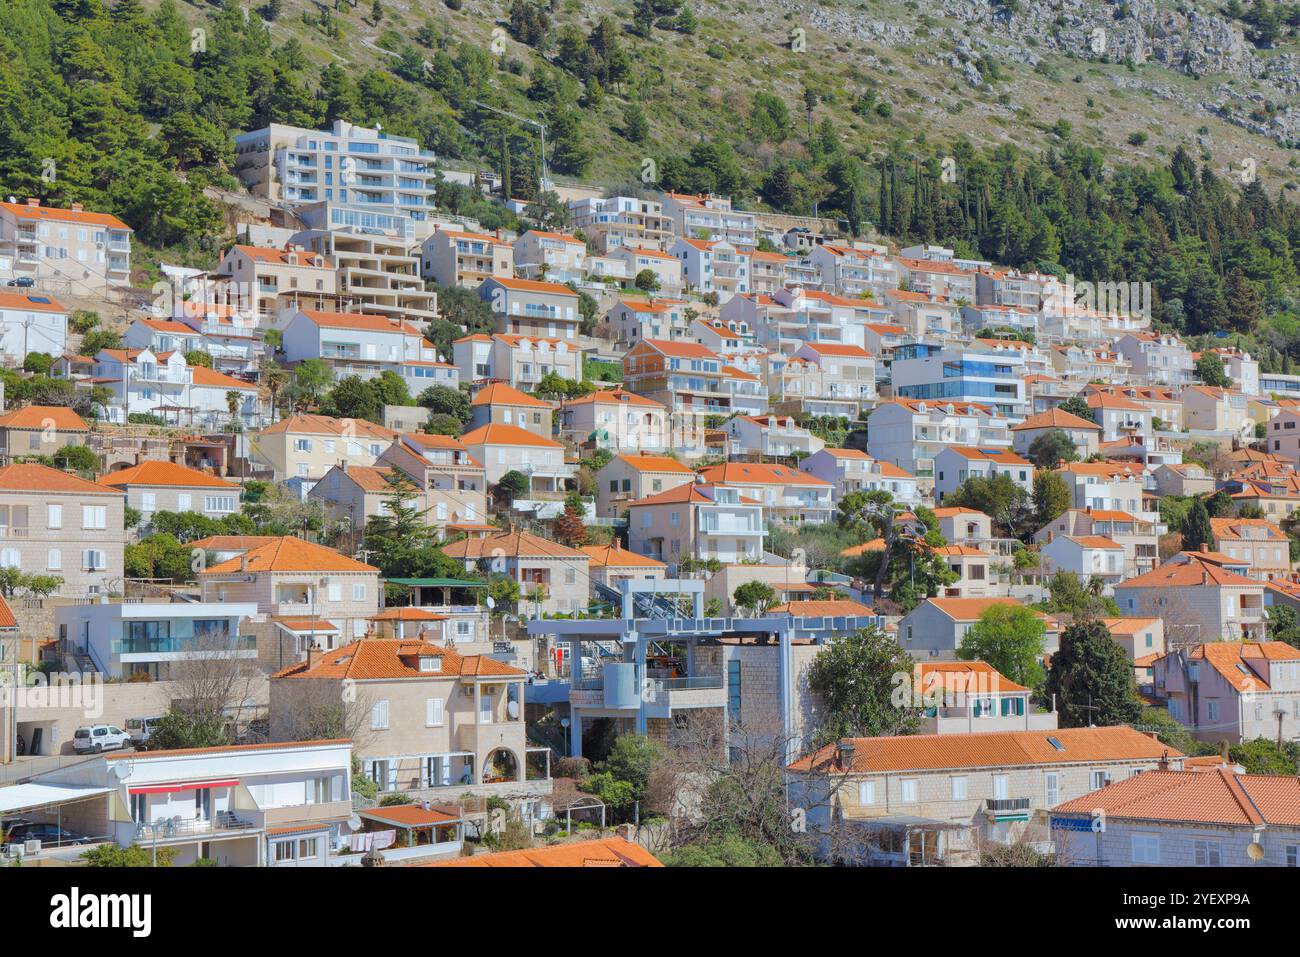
(491, 602)
(1255, 852)
(354, 822)
(512, 709)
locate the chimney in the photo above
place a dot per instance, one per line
(844, 754)
(243, 562)
(314, 655)
(33, 201)
(1205, 548)
(1163, 763)
(76, 207)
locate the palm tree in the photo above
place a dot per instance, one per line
(275, 381)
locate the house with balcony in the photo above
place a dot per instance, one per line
(787, 494)
(633, 319)
(1085, 435)
(1011, 287)
(55, 523)
(281, 804)
(1218, 410)
(976, 319)
(611, 564)
(713, 266)
(1139, 537)
(232, 347)
(130, 640)
(631, 476)
(47, 244)
(697, 520)
(922, 800)
(501, 404)
(40, 430)
(851, 271)
(956, 464)
(508, 448)
(531, 307)
(256, 277)
(909, 433)
(157, 486)
(1090, 557)
(378, 272)
(938, 278)
(452, 257)
(685, 377)
(619, 223)
(615, 419)
(666, 267)
(354, 344)
(313, 594)
(709, 216)
(976, 577)
(986, 375)
(844, 374)
(1158, 358)
(31, 322)
(553, 578)
(921, 314)
(1198, 600)
(520, 362)
(554, 257)
(769, 435)
(967, 697)
(935, 628)
(1261, 544)
(307, 446)
(435, 723)
(1232, 691)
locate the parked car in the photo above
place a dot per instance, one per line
(142, 729)
(23, 282)
(99, 737)
(50, 835)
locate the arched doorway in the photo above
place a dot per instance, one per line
(501, 766)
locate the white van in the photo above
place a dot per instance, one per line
(141, 729)
(94, 738)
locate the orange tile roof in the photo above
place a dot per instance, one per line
(992, 749)
(687, 493)
(305, 257)
(368, 478)
(31, 302)
(289, 554)
(164, 473)
(601, 852)
(1002, 456)
(304, 424)
(367, 322)
(407, 613)
(498, 393)
(7, 619)
(614, 397)
(511, 544)
(655, 463)
(959, 551)
(856, 352)
(1231, 529)
(58, 417)
(499, 434)
(969, 609)
(963, 677)
(875, 545)
(53, 213)
(754, 473)
(1056, 419)
(33, 477)
(614, 556)
(1189, 575)
(1228, 658)
(533, 285)
(952, 511)
(1127, 626)
(1094, 541)
(393, 658)
(413, 815)
(834, 607)
(1217, 797)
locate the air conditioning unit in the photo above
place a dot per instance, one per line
(31, 847)
(12, 851)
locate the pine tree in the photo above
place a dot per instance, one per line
(1092, 678)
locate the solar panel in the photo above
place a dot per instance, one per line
(37, 299)
(1056, 743)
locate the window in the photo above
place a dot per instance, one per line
(1001, 787)
(359, 591)
(94, 516)
(959, 788)
(867, 792)
(54, 516)
(733, 687)
(1052, 788)
(908, 791)
(1146, 849)
(148, 502)
(184, 502)
(219, 503)
(1293, 855)
(1212, 710)
(335, 592)
(379, 716)
(1097, 779)
(1207, 853)
(94, 560)
(433, 712)
(54, 560)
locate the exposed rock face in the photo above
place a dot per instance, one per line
(1198, 43)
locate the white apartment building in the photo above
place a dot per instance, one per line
(92, 251)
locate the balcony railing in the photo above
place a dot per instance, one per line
(1006, 805)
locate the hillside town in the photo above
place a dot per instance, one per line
(396, 539)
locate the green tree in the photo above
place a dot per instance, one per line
(1077, 405)
(1010, 638)
(1198, 531)
(179, 729)
(112, 855)
(1210, 370)
(756, 597)
(1052, 497)
(857, 678)
(441, 400)
(513, 485)
(1091, 678)
(1051, 448)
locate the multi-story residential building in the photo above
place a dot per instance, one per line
(40, 430)
(155, 638)
(852, 271)
(92, 251)
(1187, 478)
(452, 257)
(1218, 410)
(553, 578)
(1196, 817)
(846, 373)
(616, 419)
(501, 404)
(713, 266)
(1158, 358)
(909, 433)
(554, 257)
(376, 273)
(232, 348)
(941, 374)
(935, 628)
(957, 463)
(666, 267)
(621, 222)
(157, 486)
(308, 446)
(921, 314)
(1256, 541)
(786, 493)
(314, 594)
(1232, 691)
(632, 320)
(974, 570)
(923, 800)
(971, 697)
(518, 361)
(1085, 435)
(360, 169)
(1198, 600)
(1115, 486)
(1241, 368)
(54, 523)
(1011, 287)
(697, 521)
(685, 377)
(166, 386)
(354, 344)
(709, 217)
(769, 435)
(252, 279)
(1139, 537)
(433, 720)
(281, 804)
(529, 307)
(508, 448)
(1090, 557)
(31, 322)
(630, 477)
(938, 278)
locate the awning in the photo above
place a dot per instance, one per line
(22, 797)
(436, 583)
(182, 786)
